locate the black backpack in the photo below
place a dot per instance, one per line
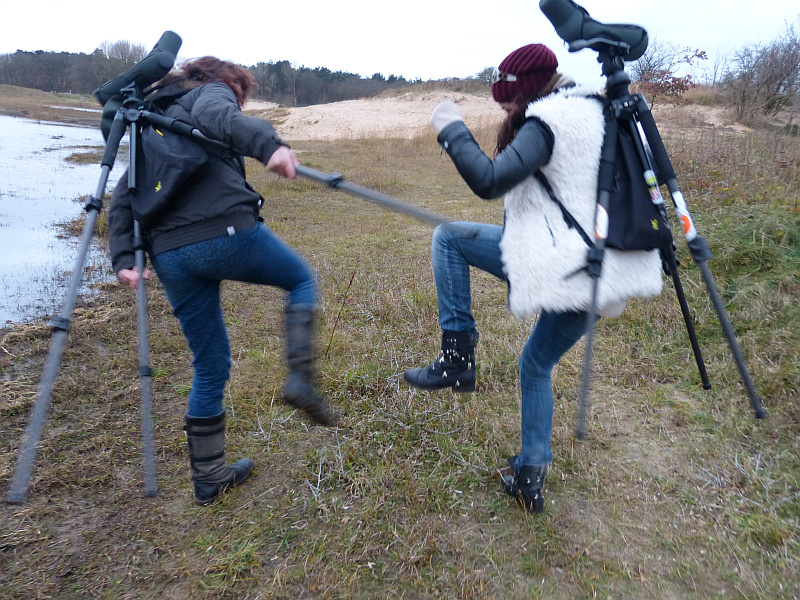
(634, 222)
(168, 164)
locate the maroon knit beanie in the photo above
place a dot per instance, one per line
(533, 65)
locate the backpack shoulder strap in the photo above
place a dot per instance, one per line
(571, 222)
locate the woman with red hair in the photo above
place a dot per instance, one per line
(211, 232)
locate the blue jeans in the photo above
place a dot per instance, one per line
(191, 276)
(454, 248)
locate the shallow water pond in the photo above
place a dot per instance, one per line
(39, 192)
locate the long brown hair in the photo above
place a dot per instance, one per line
(516, 116)
(207, 69)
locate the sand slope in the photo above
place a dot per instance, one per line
(403, 116)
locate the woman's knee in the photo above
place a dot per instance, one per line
(446, 232)
(534, 362)
(304, 291)
(440, 235)
(448, 237)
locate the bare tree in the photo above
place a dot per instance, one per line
(765, 78)
(485, 75)
(123, 51)
(718, 67)
(265, 80)
(657, 71)
(290, 76)
(659, 56)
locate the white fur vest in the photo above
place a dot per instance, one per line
(543, 257)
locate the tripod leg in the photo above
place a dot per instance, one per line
(18, 491)
(594, 261)
(722, 315)
(668, 253)
(586, 375)
(698, 246)
(145, 372)
(336, 181)
(687, 318)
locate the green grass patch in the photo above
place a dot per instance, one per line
(677, 492)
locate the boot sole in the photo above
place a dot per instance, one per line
(461, 389)
(317, 411)
(223, 488)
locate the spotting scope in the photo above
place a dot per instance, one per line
(574, 25)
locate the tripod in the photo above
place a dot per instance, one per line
(615, 44)
(122, 97)
(124, 110)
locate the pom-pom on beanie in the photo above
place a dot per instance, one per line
(524, 72)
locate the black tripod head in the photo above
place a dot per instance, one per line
(615, 43)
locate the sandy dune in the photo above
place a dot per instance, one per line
(404, 116)
(409, 114)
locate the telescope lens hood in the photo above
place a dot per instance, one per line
(147, 71)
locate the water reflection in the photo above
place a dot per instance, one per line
(38, 191)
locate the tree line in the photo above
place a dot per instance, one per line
(67, 71)
(286, 84)
(757, 79)
(279, 82)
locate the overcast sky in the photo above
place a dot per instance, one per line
(425, 39)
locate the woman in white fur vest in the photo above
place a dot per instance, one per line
(555, 127)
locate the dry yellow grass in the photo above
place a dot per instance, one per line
(676, 492)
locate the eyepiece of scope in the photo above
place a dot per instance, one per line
(566, 16)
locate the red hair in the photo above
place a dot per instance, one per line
(208, 69)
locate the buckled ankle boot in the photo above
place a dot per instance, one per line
(210, 473)
(298, 389)
(453, 368)
(526, 485)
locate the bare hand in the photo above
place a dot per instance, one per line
(282, 162)
(130, 277)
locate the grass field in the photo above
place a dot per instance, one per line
(677, 492)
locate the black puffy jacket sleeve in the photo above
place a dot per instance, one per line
(120, 227)
(489, 179)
